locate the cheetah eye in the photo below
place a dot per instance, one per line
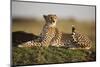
(50, 18)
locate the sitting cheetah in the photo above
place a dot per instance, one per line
(46, 35)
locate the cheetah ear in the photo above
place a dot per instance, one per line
(44, 16)
(55, 15)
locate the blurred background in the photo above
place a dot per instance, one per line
(28, 17)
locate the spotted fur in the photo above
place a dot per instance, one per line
(46, 35)
(80, 40)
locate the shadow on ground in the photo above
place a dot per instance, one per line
(19, 37)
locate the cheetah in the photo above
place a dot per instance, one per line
(46, 35)
(81, 41)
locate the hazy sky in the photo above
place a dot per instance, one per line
(30, 9)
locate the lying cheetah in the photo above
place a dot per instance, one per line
(74, 40)
(81, 41)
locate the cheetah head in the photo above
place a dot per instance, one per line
(50, 19)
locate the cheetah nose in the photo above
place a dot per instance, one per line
(53, 21)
